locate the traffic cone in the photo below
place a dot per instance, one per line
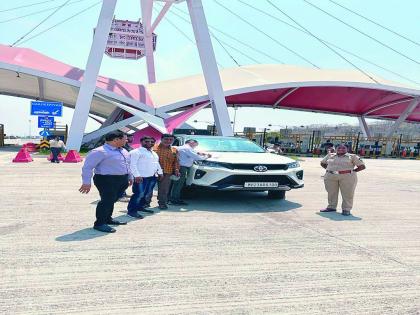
(23, 156)
(60, 157)
(72, 157)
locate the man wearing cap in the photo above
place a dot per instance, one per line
(341, 168)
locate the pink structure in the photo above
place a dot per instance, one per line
(23, 156)
(27, 73)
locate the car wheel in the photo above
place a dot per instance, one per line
(276, 194)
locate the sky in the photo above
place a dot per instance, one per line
(176, 55)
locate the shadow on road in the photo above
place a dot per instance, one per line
(336, 216)
(81, 235)
(234, 202)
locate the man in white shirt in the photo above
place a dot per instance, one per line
(144, 165)
(56, 145)
(186, 155)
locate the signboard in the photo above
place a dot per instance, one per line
(45, 122)
(126, 40)
(39, 108)
(44, 133)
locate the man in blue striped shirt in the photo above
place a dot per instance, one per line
(110, 167)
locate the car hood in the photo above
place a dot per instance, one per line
(249, 158)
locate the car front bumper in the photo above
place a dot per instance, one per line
(229, 180)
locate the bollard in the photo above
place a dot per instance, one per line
(23, 156)
(73, 157)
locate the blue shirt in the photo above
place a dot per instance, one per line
(187, 155)
(106, 160)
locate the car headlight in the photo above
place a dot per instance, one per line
(293, 165)
(213, 164)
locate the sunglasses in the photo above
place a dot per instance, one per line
(148, 141)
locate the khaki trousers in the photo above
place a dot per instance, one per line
(164, 186)
(346, 183)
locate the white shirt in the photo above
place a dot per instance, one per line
(187, 155)
(144, 163)
(57, 144)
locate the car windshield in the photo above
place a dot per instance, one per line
(218, 144)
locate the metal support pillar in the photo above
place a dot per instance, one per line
(410, 108)
(209, 66)
(146, 13)
(88, 85)
(115, 126)
(364, 127)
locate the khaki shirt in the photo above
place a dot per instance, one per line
(345, 162)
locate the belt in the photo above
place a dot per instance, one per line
(341, 172)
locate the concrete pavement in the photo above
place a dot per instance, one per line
(225, 253)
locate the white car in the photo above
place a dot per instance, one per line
(240, 164)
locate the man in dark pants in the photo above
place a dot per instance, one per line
(110, 163)
(56, 145)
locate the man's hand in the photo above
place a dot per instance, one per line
(85, 188)
(138, 180)
(130, 182)
(177, 173)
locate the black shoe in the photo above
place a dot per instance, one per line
(147, 210)
(134, 215)
(115, 222)
(104, 228)
(328, 210)
(346, 212)
(163, 207)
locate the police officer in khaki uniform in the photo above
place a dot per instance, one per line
(341, 175)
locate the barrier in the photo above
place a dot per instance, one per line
(30, 147)
(44, 144)
(73, 157)
(22, 156)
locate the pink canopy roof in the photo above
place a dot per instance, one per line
(343, 100)
(279, 86)
(29, 58)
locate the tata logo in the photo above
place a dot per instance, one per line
(260, 168)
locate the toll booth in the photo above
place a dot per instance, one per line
(2, 135)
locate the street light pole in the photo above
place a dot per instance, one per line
(30, 128)
(263, 138)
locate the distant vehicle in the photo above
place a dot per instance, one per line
(240, 164)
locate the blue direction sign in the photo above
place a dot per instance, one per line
(44, 133)
(39, 108)
(45, 122)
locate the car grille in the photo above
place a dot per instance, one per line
(270, 167)
(241, 179)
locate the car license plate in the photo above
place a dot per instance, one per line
(261, 184)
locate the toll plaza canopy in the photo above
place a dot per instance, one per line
(27, 73)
